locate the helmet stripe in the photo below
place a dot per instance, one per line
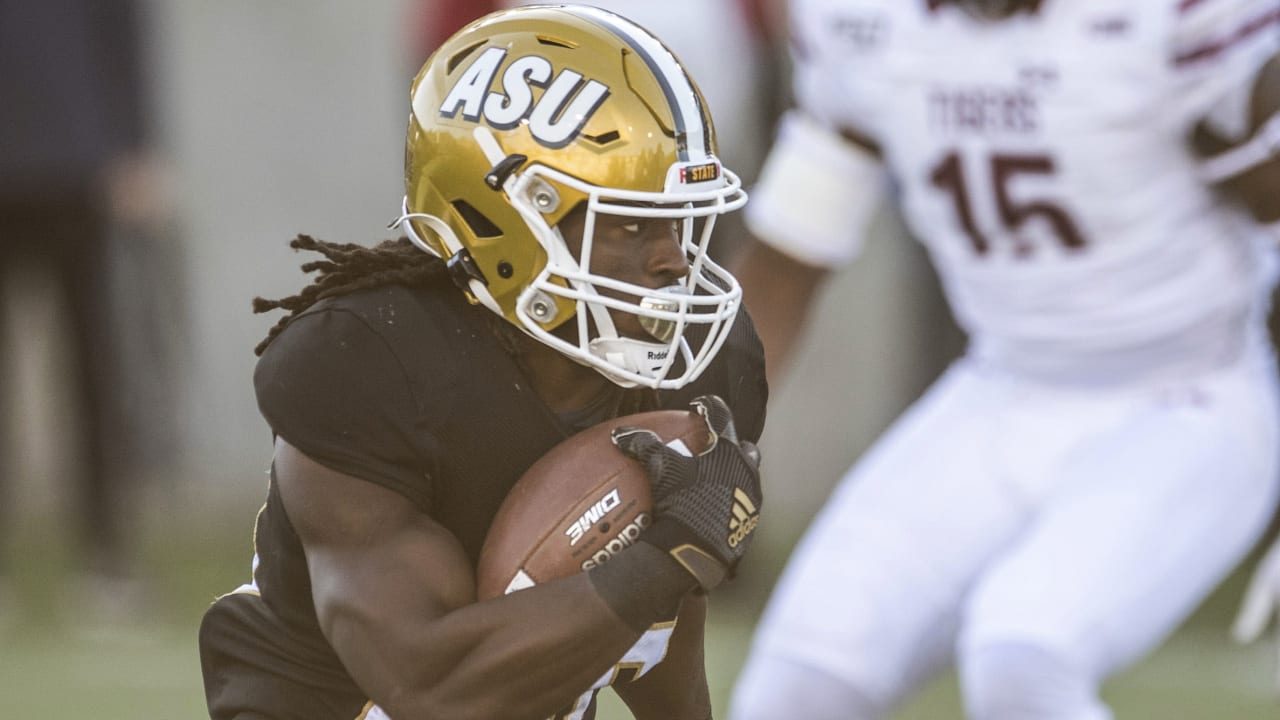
(685, 103)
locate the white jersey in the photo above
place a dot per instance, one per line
(1044, 161)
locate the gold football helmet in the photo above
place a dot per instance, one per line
(525, 115)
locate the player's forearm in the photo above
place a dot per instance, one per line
(536, 649)
(779, 292)
(1262, 187)
(1240, 145)
(524, 655)
(677, 688)
(688, 710)
(1260, 192)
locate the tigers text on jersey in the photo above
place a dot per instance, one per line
(1057, 193)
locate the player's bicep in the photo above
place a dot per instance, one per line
(380, 569)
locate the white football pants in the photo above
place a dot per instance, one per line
(1001, 518)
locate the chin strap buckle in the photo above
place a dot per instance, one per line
(462, 269)
(498, 174)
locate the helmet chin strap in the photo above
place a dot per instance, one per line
(448, 239)
(402, 223)
(637, 356)
(644, 357)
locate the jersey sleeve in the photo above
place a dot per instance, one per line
(1216, 49)
(826, 77)
(334, 389)
(817, 191)
(748, 390)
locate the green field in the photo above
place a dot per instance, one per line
(58, 663)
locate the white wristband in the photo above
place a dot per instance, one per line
(816, 195)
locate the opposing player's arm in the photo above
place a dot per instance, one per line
(809, 213)
(395, 595)
(779, 290)
(677, 688)
(1242, 154)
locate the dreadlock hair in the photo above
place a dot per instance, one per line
(347, 268)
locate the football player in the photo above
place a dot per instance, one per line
(561, 186)
(1098, 186)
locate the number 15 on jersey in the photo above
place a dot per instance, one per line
(1012, 213)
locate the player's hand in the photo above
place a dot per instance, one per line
(1261, 604)
(706, 507)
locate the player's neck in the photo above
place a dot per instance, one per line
(564, 385)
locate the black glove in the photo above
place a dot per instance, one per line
(705, 507)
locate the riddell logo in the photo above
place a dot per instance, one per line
(744, 520)
(592, 515)
(658, 355)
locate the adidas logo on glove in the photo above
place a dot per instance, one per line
(744, 520)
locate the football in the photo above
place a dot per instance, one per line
(578, 505)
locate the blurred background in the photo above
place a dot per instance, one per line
(156, 158)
